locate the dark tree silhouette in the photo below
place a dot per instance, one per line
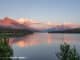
(5, 50)
(67, 53)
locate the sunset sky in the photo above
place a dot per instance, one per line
(56, 11)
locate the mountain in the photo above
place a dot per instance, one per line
(9, 23)
(34, 26)
(57, 28)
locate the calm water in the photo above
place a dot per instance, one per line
(42, 46)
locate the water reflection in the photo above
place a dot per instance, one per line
(30, 40)
(72, 38)
(41, 38)
(42, 46)
(5, 50)
(49, 39)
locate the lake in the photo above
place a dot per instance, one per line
(42, 46)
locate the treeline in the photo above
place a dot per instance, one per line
(14, 32)
(75, 30)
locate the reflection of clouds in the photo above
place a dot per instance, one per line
(41, 38)
(30, 40)
(49, 38)
(21, 43)
(35, 39)
(71, 38)
(67, 39)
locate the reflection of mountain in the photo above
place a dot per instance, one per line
(43, 38)
(31, 40)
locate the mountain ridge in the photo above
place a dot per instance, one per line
(25, 24)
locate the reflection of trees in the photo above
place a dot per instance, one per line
(5, 49)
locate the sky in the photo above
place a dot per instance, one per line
(56, 11)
